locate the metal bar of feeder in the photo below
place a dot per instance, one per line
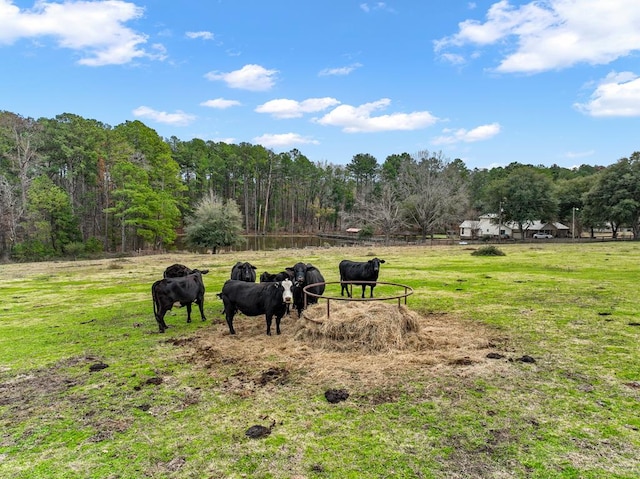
(407, 291)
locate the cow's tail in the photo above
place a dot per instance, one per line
(154, 295)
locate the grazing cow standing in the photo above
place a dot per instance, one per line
(244, 272)
(304, 275)
(177, 270)
(184, 290)
(254, 299)
(352, 271)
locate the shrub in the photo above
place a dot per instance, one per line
(93, 245)
(74, 249)
(32, 250)
(366, 232)
(488, 251)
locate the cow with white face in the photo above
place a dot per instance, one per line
(254, 299)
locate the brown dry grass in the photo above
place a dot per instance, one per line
(362, 345)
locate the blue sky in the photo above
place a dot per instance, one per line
(490, 82)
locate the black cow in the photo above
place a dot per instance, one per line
(254, 299)
(244, 272)
(351, 271)
(304, 275)
(177, 270)
(271, 277)
(184, 290)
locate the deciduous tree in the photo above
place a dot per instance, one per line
(615, 198)
(51, 219)
(433, 194)
(526, 195)
(214, 224)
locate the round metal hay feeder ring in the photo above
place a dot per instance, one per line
(408, 291)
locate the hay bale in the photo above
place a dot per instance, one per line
(363, 326)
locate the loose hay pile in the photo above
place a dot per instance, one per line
(362, 346)
(370, 327)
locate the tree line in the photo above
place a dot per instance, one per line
(71, 185)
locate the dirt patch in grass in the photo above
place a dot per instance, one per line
(46, 394)
(362, 345)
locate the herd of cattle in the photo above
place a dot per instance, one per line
(272, 296)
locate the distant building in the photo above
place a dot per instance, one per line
(487, 226)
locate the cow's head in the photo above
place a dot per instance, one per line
(266, 277)
(375, 264)
(176, 271)
(287, 293)
(247, 272)
(299, 271)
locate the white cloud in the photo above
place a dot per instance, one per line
(201, 35)
(453, 58)
(249, 77)
(340, 71)
(618, 95)
(359, 119)
(96, 29)
(553, 34)
(284, 108)
(283, 140)
(179, 118)
(479, 133)
(368, 7)
(220, 103)
(579, 154)
(229, 140)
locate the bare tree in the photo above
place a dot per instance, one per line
(384, 211)
(21, 138)
(11, 210)
(434, 193)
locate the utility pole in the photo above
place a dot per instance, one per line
(500, 223)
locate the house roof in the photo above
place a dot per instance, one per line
(469, 224)
(539, 225)
(530, 226)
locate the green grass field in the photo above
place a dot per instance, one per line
(177, 405)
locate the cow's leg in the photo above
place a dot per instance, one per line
(200, 302)
(229, 312)
(188, 305)
(278, 318)
(160, 319)
(364, 286)
(229, 316)
(269, 318)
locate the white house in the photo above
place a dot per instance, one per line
(485, 227)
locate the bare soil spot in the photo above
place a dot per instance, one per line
(45, 392)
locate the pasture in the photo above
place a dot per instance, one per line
(521, 366)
